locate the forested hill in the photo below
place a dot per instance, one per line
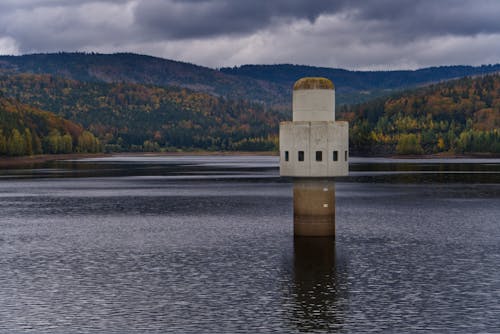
(453, 116)
(25, 130)
(358, 86)
(141, 69)
(461, 116)
(268, 84)
(133, 117)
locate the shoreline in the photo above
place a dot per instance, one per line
(37, 159)
(443, 156)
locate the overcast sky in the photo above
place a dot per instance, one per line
(354, 34)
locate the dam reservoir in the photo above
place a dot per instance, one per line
(206, 244)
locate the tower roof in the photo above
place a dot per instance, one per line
(313, 83)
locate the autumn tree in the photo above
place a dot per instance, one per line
(53, 143)
(16, 144)
(66, 144)
(409, 144)
(88, 143)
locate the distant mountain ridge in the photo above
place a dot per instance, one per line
(288, 73)
(267, 84)
(141, 69)
(359, 86)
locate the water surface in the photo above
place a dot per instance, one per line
(205, 245)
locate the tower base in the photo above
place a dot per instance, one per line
(314, 207)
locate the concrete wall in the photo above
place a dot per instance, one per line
(313, 207)
(310, 137)
(313, 105)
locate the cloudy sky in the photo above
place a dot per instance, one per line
(354, 34)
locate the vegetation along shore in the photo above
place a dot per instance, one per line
(91, 103)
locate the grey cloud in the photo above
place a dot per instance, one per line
(423, 18)
(202, 18)
(50, 26)
(397, 18)
(344, 33)
(13, 5)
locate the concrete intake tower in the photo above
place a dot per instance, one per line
(314, 149)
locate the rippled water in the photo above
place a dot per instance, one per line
(205, 245)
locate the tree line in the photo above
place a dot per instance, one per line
(25, 130)
(461, 116)
(132, 117)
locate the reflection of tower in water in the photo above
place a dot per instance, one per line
(314, 150)
(319, 291)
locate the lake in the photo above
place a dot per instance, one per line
(204, 244)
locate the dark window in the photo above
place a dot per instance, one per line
(345, 155)
(335, 155)
(287, 157)
(319, 155)
(301, 155)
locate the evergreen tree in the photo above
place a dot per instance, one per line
(29, 142)
(37, 144)
(3, 143)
